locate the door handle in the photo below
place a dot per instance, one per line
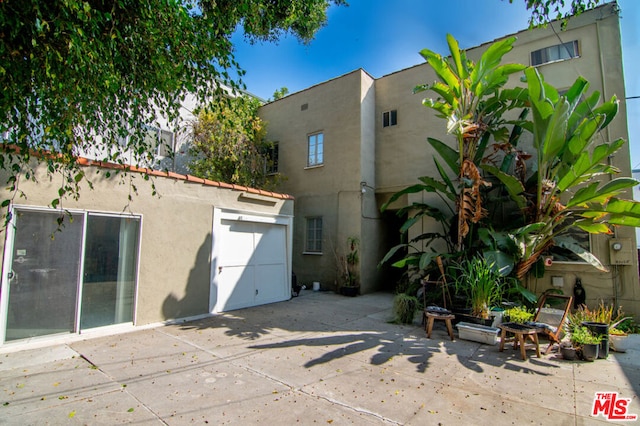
(219, 269)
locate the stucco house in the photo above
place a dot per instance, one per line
(196, 248)
(347, 144)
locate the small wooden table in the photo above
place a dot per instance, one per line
(446, 317)
(519, 331)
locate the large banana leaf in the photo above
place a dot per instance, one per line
(571, 245)
(409, 190)
(593, 193)
(448, 154)
(511, 183)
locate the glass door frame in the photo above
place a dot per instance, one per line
(7, 262)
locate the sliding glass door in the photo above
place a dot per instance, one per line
(43, 281)
(109, 271)
(65, 280)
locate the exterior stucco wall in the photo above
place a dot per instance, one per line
(402, 153)
(176, 234)
(341, 110)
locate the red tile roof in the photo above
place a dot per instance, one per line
(105, 165)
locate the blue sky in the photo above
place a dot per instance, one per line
(383, 36)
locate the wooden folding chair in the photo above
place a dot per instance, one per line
(550, 317)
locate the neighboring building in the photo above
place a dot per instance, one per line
(196, 248)
(348, 144)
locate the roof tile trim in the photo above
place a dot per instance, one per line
(176, 176)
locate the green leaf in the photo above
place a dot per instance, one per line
(513, 185)
(448, 154)
(623, 212)
(502, 262)
(489, 60)
(392, 253)
(425, 260)
(455, 55)
(542, 107)
(554, 135)
(592, 227)
(408, 224)
(583, 110)
(575, 92)
(587, 166)
(441, 69)
(410, 190)
(451, 192)
(570, 244)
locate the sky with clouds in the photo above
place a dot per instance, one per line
(383, 36)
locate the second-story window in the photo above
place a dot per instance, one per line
(559, 52)
(316, 150)
(389, 118)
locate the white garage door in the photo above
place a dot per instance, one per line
(250, 264)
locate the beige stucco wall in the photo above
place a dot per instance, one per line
(176, 237)
(343, 110)
(600, 62)
(402, 153)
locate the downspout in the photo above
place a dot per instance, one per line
(615, 271)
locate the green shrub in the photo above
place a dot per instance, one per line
(582, 336)
(404, 308)
(518, 314)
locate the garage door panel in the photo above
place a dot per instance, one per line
(237, 241)
(251, 263)
(270, 244)
(235, 288)
(269, 282)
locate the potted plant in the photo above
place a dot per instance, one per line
(585, 342)
(602, 320)
(619, 334)
(348, 268)
(618, 339)
(405, 307)
(568, 351)
(517, 314)
(482, 284)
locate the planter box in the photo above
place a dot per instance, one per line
(619, 342)
(478, 333)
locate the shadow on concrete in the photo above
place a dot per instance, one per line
(347, 329)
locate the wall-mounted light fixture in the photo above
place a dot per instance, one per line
(364, 186)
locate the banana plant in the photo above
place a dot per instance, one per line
(571, 159)
(472, 100)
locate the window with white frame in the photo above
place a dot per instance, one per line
(314, 235)
(559, 52)
(316, 150)
(161, 140)
(389, 118)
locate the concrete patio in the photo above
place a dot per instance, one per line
(319, 358)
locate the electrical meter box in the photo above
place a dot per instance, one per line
(621, 252)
